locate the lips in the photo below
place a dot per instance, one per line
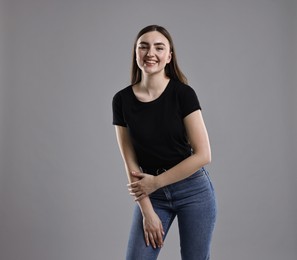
(150, 62)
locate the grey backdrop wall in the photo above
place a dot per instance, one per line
(63, 187)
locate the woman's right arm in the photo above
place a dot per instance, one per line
(153, 229)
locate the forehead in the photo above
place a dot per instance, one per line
(153, 37)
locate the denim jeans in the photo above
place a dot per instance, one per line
(192, 201)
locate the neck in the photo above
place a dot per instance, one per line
(154, 81)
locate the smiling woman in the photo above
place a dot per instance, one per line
(153, 52)
(164, 144)
(152, 55)
(172, 69)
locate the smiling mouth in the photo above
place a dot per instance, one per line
(150, 62)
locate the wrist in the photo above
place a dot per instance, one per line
(146, 206)
(159, 181)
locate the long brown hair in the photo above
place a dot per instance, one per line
(172, 69)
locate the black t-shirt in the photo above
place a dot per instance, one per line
(156, 128)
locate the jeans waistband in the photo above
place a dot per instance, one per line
(158, 171)
(154, 171)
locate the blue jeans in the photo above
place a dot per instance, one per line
(192, 200)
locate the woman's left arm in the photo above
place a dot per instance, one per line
(199, 141)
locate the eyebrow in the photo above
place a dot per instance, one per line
(157, 43)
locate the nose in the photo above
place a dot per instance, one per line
(150, 52)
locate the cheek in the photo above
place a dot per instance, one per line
(139, 56)
(165, 58)
(139, 62)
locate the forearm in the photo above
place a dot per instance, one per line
(198, 138)
(183, 170)
(130, 162)
(129, 169)
(145, 204)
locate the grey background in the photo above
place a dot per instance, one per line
(63, 188)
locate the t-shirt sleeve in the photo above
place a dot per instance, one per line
(189, 101)
(117, 111)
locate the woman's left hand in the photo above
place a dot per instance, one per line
(142, 188)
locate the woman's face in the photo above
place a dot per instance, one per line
(152, 52)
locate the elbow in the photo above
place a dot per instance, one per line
(204, 157)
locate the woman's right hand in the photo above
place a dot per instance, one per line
(153, 230)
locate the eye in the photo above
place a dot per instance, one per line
(142, 47)
(160, 48)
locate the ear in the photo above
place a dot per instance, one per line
(169, 57)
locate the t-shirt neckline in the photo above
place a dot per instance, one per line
(152, 101)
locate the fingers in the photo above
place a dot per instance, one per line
(153, 230)
(142, 196)
(135, 190)
(138, 196)
(133, 184)
(134, 187)
(159, 239)
(137, 174)
(154, 239)
(146, 237)
(161, 234)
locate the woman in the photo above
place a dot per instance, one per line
(164, 145)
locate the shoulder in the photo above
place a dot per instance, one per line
(187, 98)
(182, 90)
(123, 93)
(181, 87)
